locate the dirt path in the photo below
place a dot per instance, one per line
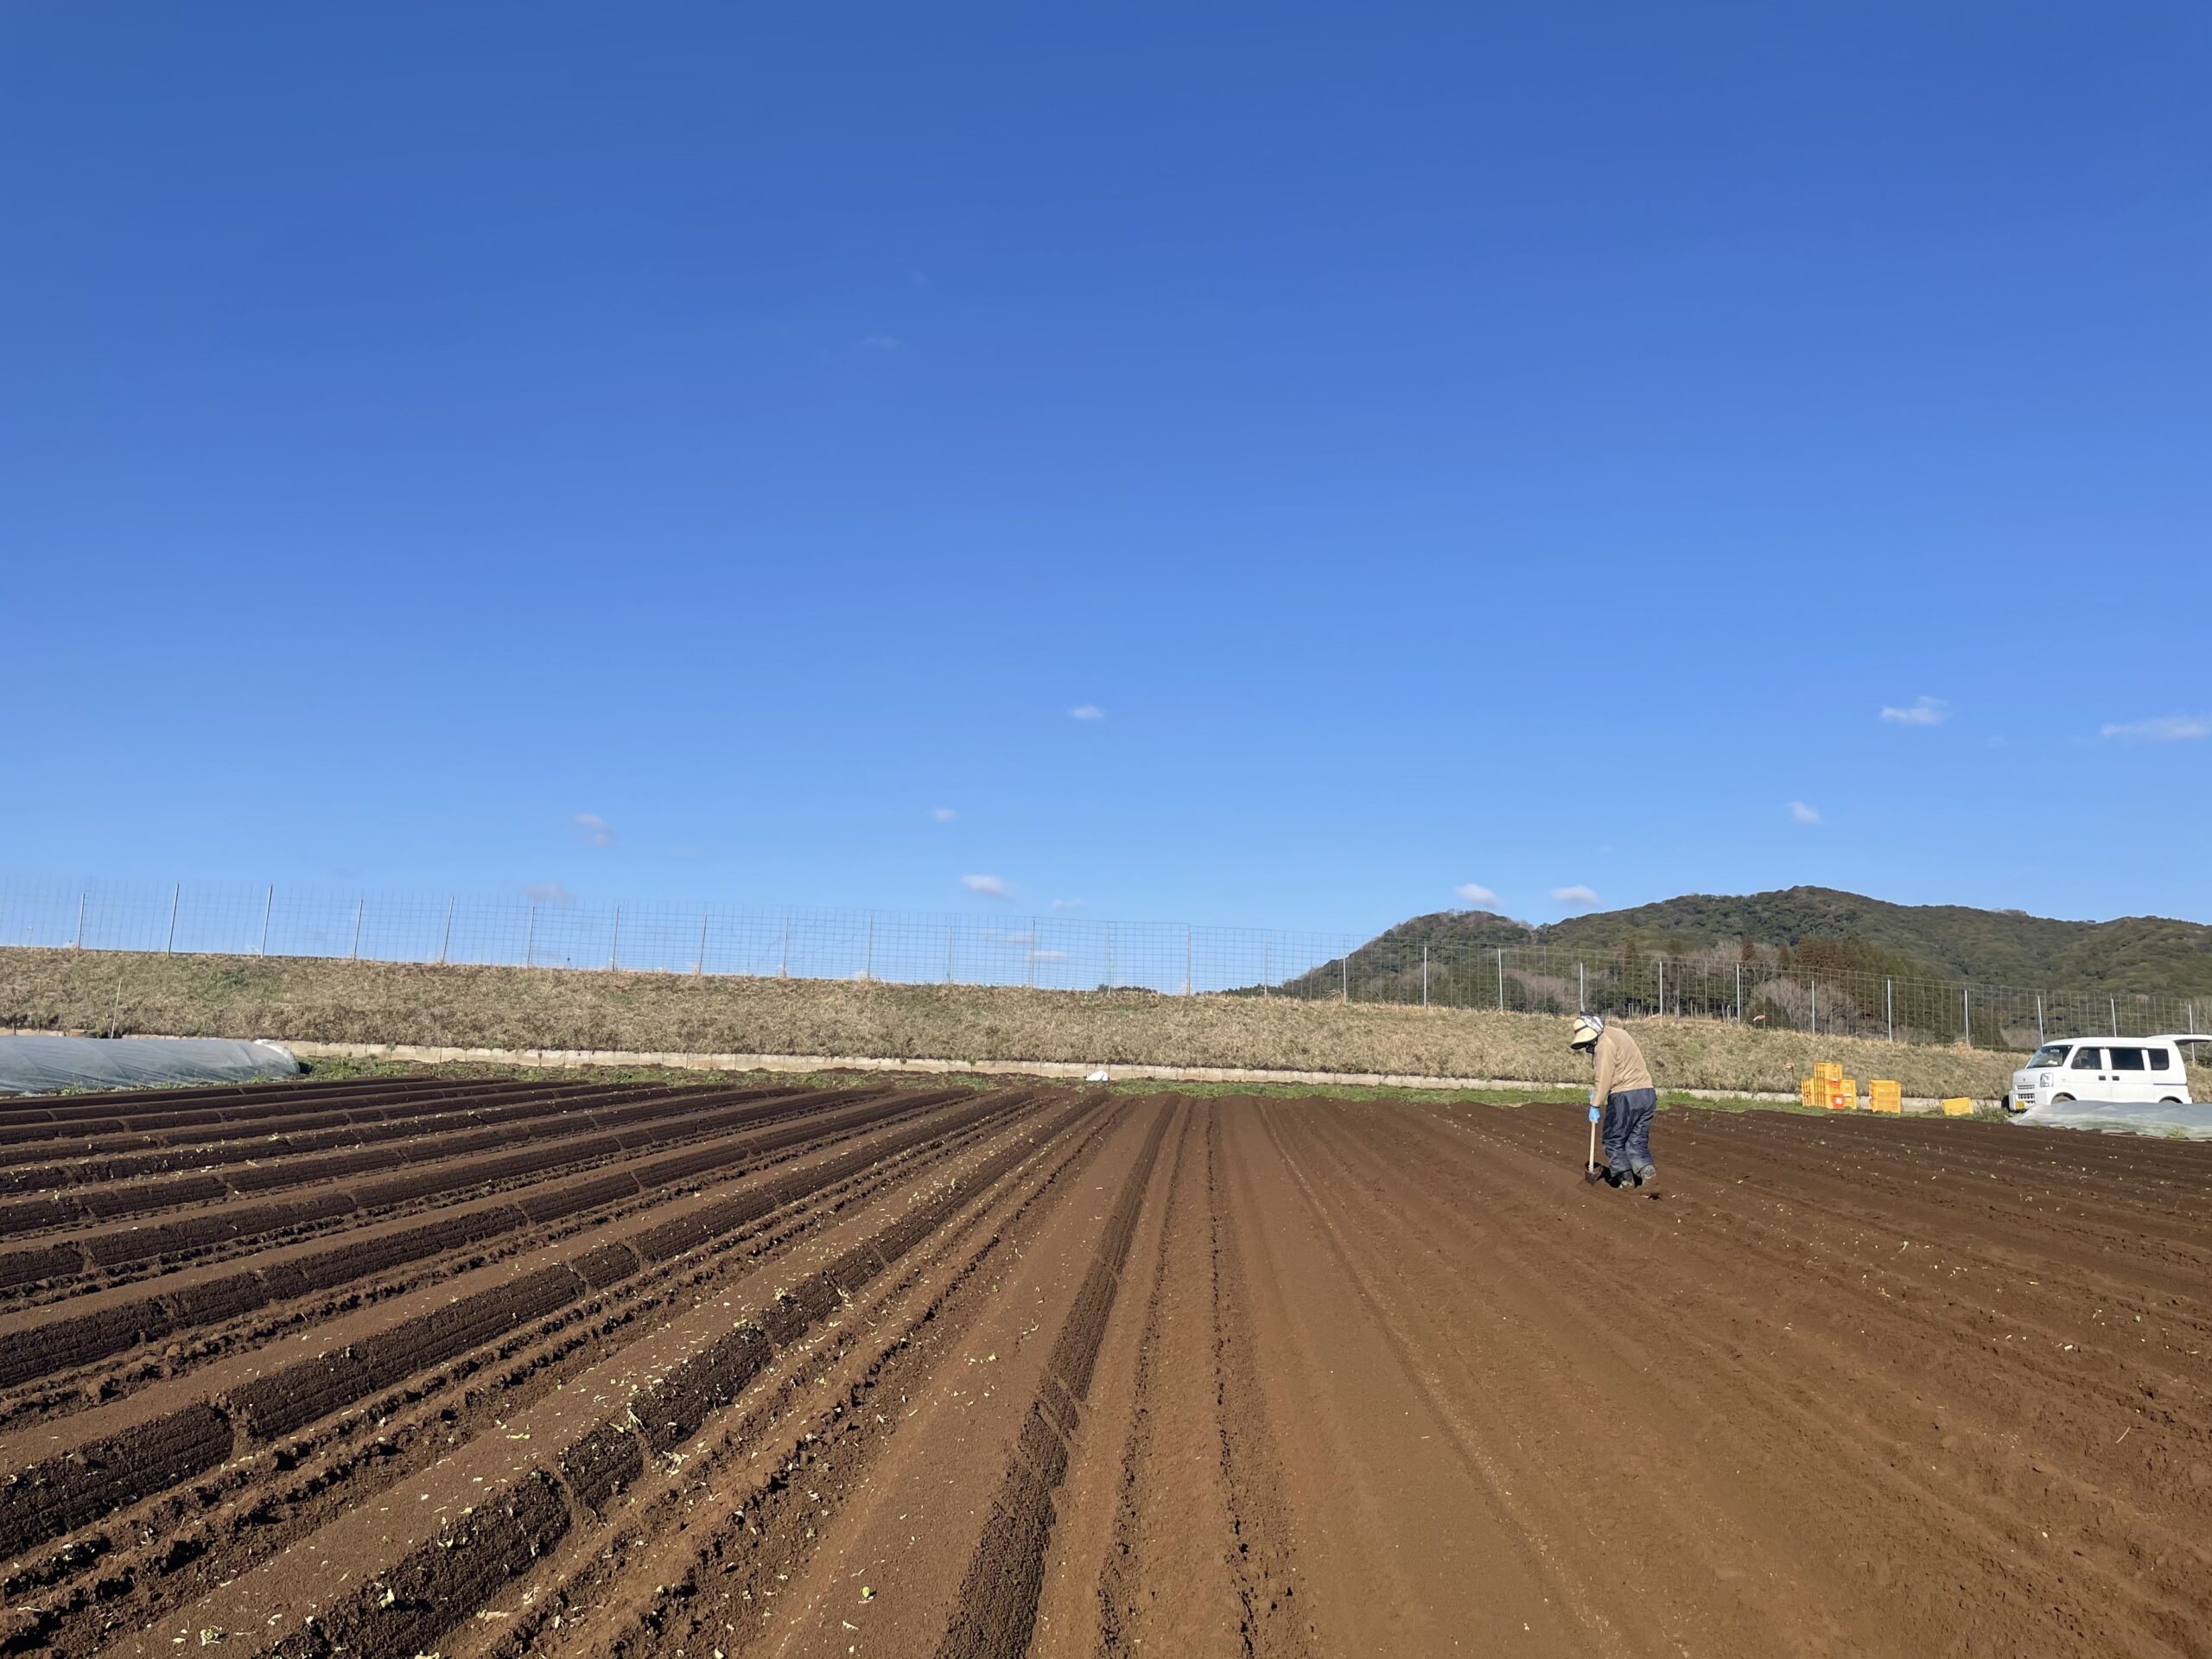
(1096, 1377)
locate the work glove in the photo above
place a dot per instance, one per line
(1595, 1114)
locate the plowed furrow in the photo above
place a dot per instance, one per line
(274, 1403)
(421, 1592)
(36, 1346)
(996, 1613)
(229, 1227)
(271, 1496)
(1084, 1376)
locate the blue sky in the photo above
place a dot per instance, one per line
(1628, 449)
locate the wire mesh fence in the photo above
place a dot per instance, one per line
(1054, 952)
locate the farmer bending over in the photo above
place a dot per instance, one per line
(1624, 1089)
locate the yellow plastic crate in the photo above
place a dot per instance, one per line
(1828, 1071)
(1846, 1090)
(1809, 1093)
(1882, 1095)
(1958, 1107)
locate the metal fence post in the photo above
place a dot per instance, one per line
(268, 904)
(1966, 1015)
(699, 967)
(1186, 961)
(2039, 1019)
(170, 948)
(1660, 962)
(78, 943)
(1814, 979)
(868, 951)
(784, 961)
(1501, 981)
(1581, 988)
(445, 943)
(360, 909)
(2115, 1016)
(1739, 993)
(530, 939)
(1889, 1006)
(614, 944)
(1263, 967)
(948, 952)
(1424, 975)
(1344, 977)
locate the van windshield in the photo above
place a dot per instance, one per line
(2050, 1054)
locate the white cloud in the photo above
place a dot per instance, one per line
(1801, 813)
(944, 814)
(990, 887)
(1048, 955)
(1925, 711)
(1476, 894)
(1575, 895)
(2166, 728)
(1086, 711)
(547, 893)
(593, 830)
(1067, 903)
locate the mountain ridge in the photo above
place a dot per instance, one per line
(2154, 954)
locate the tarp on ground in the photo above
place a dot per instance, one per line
(43, 1065)
(2193, 1121)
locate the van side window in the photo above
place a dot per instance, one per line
(2089, 1058)
(2126, 1059)
(2160, 1058)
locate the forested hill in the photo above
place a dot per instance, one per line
(1997, 947)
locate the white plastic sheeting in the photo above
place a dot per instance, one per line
(2193, 1121)
(42, 1065)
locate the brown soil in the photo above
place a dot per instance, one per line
(689, 1374)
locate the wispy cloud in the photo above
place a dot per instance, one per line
(1575, 895)
(1067, 903)
(1924, 711)
(547, 893)
(1086, 711)
(1801, 813)
(2166, 728)
(990, 887)
(593, 830)
(944, 814)
(1048, 955)
(1475, 894)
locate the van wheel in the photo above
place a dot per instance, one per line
(2169, 1100)
(2061, 1100)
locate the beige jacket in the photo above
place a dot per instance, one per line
(1620, 1065)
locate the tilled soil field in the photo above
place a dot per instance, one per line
(624, 1371)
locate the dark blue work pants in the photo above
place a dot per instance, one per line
(1627, 1132)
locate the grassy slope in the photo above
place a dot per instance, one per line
(307, 1000)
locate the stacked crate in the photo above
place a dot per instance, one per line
(1882, 1095)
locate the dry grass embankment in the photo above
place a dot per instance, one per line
(313, 1000)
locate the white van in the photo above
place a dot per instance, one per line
(2132, 1071)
